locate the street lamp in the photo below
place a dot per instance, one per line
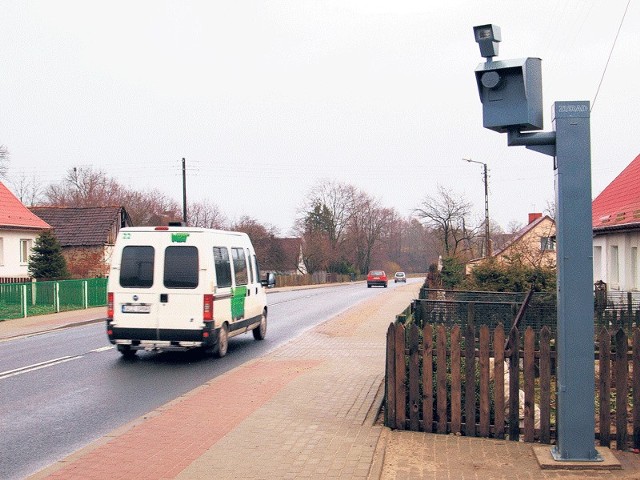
(487, 238)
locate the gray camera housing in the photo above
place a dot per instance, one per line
(511, 94)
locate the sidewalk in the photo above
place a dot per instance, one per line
(306, 410)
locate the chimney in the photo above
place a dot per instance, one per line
(533, 217)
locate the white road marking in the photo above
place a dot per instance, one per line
(48, 363)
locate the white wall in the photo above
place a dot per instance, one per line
(10, 264)
(616, 260)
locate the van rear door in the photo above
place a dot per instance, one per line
(179, 315)
(135, 305)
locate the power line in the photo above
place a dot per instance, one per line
(593, 103)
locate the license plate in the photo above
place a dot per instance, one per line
(136, 308)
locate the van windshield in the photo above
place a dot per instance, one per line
(136, 267)
(181, 267)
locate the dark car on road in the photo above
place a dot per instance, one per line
(377, 277)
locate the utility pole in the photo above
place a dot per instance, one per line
(184, 192)
(487, 237)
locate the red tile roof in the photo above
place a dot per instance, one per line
(618, 206)
(14, 215)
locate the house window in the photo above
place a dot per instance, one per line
(547, 244)
(614, 265)
(25, 249)
(1, 251)
(634, 268)
(597, 263)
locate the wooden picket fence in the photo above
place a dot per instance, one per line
(431, 373)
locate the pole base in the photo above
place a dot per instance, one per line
(605, 460)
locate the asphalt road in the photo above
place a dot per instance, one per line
(61, 390)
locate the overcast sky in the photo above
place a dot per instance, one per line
(265, 98)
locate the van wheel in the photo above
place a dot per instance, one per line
(261, 331)
(223, 341)
(126, 351)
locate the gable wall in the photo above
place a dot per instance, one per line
(616, 260)
(10, 265)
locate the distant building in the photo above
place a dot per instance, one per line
(87, 236)
(534, 245)
(19, 229)
(616, 232)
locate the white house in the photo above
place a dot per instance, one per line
(18, 230)
(616, 233)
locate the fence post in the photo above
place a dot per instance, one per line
(414, 378)
(622, 382)
(604, 372)
(441, 378)
(401, 375)
(85, 296)
(498, 378)
(470, 379)
(484, 381)
(529, 385)
(23, 300)
(636, 387)
(545, 385)
(390, 406)
(514, 385)
(456, 395)
(57, 296)
(427, 377)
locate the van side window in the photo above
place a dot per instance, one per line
(252, 279)
(257, 265)
(223, 266)
(136, 267)
(239, 265)
(181, 267)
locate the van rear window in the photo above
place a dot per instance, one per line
(181, 267)
(136, 266)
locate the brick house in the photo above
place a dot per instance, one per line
(19, 228)
(534, 245)
(616, 232)
(87, 236)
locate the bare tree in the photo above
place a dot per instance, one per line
(447, 216)
(332, 205)
(206, 214)
(368, 221)
(85, 187)
(28, 190)
(4, 161)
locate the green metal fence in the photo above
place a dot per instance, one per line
(19, 300)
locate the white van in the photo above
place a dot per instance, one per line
(177, 288)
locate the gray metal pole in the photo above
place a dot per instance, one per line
(576, 377)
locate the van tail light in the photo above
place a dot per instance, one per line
(207, 308)
(110, 306)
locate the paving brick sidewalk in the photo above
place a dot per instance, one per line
(306, 410)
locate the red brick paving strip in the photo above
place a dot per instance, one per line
(164, 445)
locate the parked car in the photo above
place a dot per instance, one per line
(377, 277)
(399, 277)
